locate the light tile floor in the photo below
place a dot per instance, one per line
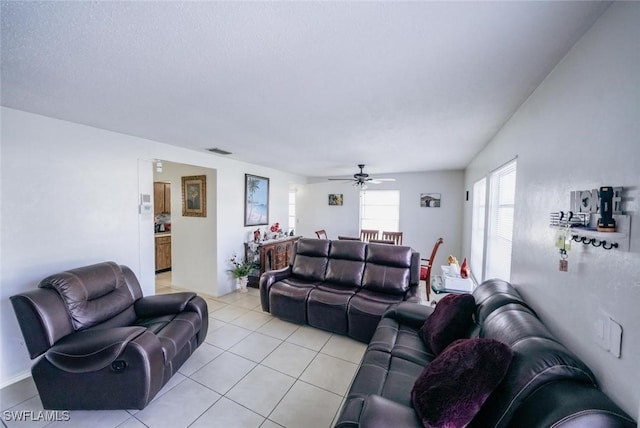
(253, 370)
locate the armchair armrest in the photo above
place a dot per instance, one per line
(162, 304)
(412, 314)
(267, 279)
(91, 350)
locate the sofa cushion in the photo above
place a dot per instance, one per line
(365, 310)
(387, 269)
(289, 301)
(345, 272)
(327, 307)
(400, 340)
(451, 320)
(451, 390)
(309, 268)
(348, 250)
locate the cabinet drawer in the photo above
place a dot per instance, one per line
(163, 240)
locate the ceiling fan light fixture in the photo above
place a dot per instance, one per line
(360, 185)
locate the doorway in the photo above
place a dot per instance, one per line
(185, 246)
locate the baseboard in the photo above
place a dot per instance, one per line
(17, 378)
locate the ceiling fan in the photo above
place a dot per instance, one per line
(361, 179)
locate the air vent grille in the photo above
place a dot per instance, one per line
(219, 151)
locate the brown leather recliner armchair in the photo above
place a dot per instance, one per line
(106, 346)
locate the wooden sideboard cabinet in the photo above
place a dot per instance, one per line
(272, 255)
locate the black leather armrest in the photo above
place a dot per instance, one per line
(582, 406)
(162, 304)
(412, 314)
(380, 412)
(269, 278)
(91, 350)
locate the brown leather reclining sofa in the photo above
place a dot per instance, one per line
(106, 346)
(341, 286)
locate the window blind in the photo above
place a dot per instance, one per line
(380, 210)
(500, 225)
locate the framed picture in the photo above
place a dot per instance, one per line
(335, 199)
(256, 200)
(430, 200)
(194, 196)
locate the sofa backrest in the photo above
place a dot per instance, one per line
(493, 294)
(346, 263)
(539, 359)
(95, 294)
(388, 268)
(311, 259)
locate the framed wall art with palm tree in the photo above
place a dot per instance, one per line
(256, 200)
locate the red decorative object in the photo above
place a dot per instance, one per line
(464, 269)
(275, 227)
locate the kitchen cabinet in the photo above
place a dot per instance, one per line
(163, 252)
(272, 254)
(161, 198)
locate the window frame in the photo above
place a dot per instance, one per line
(499, 214)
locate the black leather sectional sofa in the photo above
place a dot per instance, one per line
(544, 386)
(104, 345)
(341, 286)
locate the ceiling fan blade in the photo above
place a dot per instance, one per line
(341, 179)
(380, 180)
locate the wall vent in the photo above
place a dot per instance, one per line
(219, 151)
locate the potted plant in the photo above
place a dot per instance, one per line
(240, 271)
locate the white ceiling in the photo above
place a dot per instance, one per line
(313, 88)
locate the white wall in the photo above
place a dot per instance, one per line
(70, 197)
(421, 226)
(579, 130)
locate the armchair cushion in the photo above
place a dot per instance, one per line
(91, 350)
(162, 304)
(451, 390)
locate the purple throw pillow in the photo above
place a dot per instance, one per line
(450, 321)
(451, 389)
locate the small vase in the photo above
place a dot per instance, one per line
(241, 284)
(464, 269)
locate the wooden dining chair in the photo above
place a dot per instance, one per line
(367, 235)
(426, 265)
(348, 238)
(382, 241)
(396, 237)
(321, 234)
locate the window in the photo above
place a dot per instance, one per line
(292, 210)
(477, 229)
(492, 224)
(380, 210)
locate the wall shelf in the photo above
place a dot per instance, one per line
(618, 240)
